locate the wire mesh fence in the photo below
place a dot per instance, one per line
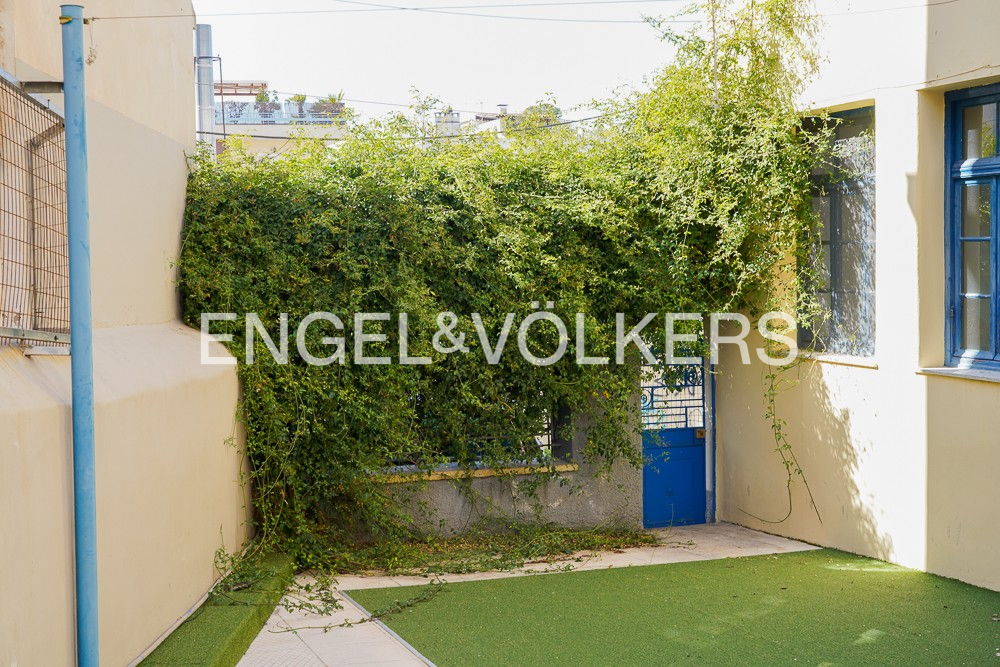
(34, 264)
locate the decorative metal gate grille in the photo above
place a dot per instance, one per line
(34, 265)
(673, 398)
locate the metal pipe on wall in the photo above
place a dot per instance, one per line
(708, 398)
(81, 332)
(205, 81)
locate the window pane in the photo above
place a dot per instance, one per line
(857, 211)
(976, 324)
(823, 268)
(980, 131)
(854, 146)
(821, 254)
(818, 334)
(821, 205)
(853, 260)
(846, 259)
(976, 210)
(855, 124)
(976, 267)
(857, 268)
(854, 301)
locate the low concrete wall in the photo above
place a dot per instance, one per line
(579, 499)
(451, 502)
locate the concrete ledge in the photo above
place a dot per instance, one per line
(978, 374)
(841, 359)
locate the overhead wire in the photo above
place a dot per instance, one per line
(366, 6)
(404, 105)
(450, 10)
(427, 137)
(440, 9)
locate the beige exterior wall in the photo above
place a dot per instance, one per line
(280, 138)
(168, 462)
(902, 464)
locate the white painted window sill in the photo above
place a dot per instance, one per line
(841, 359)
(977, 374)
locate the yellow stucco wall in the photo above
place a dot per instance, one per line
(168, 458)
(280, 138)
(902, 464)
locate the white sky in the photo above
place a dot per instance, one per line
(470, 63)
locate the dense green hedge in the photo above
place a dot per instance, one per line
(686, 198)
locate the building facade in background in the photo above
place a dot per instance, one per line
(269, 123)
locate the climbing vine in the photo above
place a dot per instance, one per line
(691, 196)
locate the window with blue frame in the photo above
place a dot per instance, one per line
(973, 177)
(844, 200)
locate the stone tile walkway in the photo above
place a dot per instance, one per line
(295, 638)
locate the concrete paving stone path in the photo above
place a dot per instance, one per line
(291, 639)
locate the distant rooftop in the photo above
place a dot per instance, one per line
(237, 88)
(234, 112)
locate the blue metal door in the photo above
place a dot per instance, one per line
(673, 446)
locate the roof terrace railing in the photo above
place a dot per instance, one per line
(249, 113)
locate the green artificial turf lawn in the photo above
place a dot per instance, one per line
(222, 629)
(811, 607)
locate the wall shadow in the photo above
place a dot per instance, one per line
(825, 443)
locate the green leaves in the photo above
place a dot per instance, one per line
(685, 198)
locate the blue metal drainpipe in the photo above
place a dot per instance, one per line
(81, 331)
